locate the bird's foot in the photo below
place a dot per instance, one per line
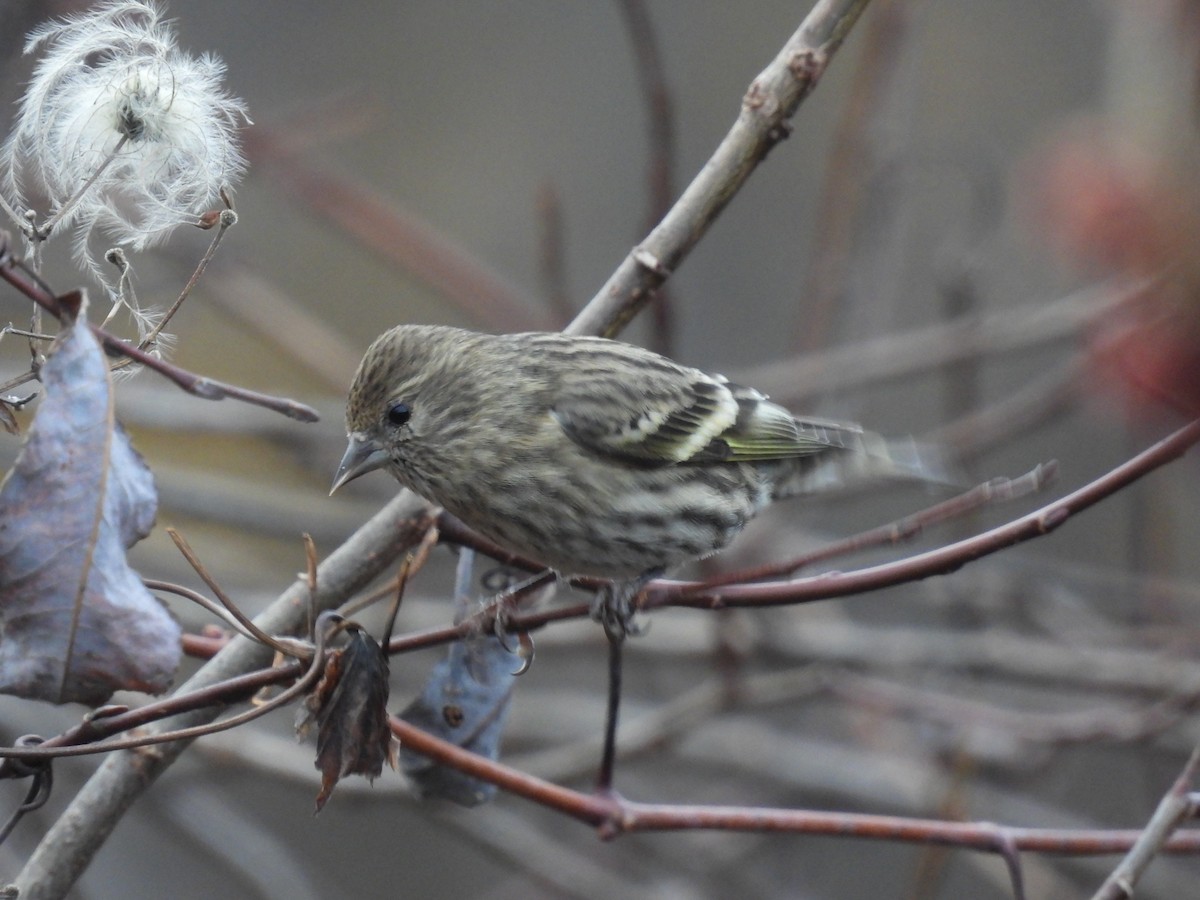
(505, 603)
(615, 606)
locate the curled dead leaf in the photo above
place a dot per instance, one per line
(76, 622)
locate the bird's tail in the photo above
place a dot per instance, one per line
(866, 457)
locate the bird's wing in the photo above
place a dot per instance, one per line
(681, 415)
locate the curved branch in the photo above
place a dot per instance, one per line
(613, 815)
(938, 561)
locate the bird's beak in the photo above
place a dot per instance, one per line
(362, 456)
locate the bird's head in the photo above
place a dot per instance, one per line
(401, 394)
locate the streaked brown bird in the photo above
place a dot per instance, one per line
(592, 456)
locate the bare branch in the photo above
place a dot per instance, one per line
(921, 350)
(1175, 808)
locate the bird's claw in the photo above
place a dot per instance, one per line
(502, 612)
(615, 607)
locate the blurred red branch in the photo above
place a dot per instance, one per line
(660, 119)
(410, 244)
(767, 108)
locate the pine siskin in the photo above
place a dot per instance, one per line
(592, 456)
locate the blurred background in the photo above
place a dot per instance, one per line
(950, 230)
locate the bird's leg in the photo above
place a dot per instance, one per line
(608, 759)
(614, 607)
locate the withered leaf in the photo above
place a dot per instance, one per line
(464, 701)
(76, 623)
(7, 420)
(349, 705)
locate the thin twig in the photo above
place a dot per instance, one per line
(246, 623)
(948, 558)
(226, 220)
(1031, 405)
(200, 600)
(24, 332)
(906, 353)
(316, 666)
(1173, 810)
(905, 529)
(941, 559)
(16, 382)
(42, 232)
(93, 729)
(962, 714)
(197, 385)
(415, 562)
(40, 786)
(311, 567)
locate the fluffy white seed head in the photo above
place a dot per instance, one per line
(119, 130)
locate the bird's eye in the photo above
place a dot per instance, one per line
(398, 413)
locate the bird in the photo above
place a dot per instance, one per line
(592, 456)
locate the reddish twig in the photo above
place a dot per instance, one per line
(613, 815)
(941, 560)
(402, 239)
(937, 561)
(998, 489)
(84, 738)
(244, 621)
(198, 385)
